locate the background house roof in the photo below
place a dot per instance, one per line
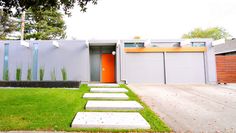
(228, 47)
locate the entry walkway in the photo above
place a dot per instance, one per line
(107, 90)
(110, 120)
(113, 105)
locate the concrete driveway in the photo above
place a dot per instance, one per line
(192, 108)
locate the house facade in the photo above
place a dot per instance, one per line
(173, 61)
(226, 61)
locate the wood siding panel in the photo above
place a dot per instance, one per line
(226, 69)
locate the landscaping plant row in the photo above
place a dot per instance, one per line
(43, 84)
(29, 74)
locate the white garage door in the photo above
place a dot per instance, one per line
(144, 67)
(185, 68)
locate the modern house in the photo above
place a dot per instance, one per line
(226, 61)
(128, 61)
(226, 48)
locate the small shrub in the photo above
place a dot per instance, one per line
(6, 75)
(41, 73)
(53, 75)
(64, 73)
(18, 74)
(29, 74)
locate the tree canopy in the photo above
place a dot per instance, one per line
(66, 5)
(7, 25)
(214, 32)
(39, 25)
(44, 25)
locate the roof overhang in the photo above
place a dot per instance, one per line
(102, 42)
(55, 43)
(24, 43)
(218, 42)
(225, 52)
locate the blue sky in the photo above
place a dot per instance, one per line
(150, 19)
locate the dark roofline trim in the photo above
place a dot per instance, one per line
(224, 52)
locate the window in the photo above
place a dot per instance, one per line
(134, 45)
(198, 44)
(5, 63)
(165, 44)
(35, 61)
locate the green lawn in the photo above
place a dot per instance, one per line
(53, 109)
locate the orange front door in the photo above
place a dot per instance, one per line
(108, 68)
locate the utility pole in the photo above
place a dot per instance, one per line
(1, 16)
(1, 12)
(22, 19)
(22, 25)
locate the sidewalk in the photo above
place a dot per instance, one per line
(229, 86)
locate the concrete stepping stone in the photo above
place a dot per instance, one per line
(113, 105)
(103, 85)
(108, 90)
(110, 120)
(113, 96)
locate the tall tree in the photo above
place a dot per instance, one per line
(215, 33)
(44, 24)
(7, 25)
(66, 5)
